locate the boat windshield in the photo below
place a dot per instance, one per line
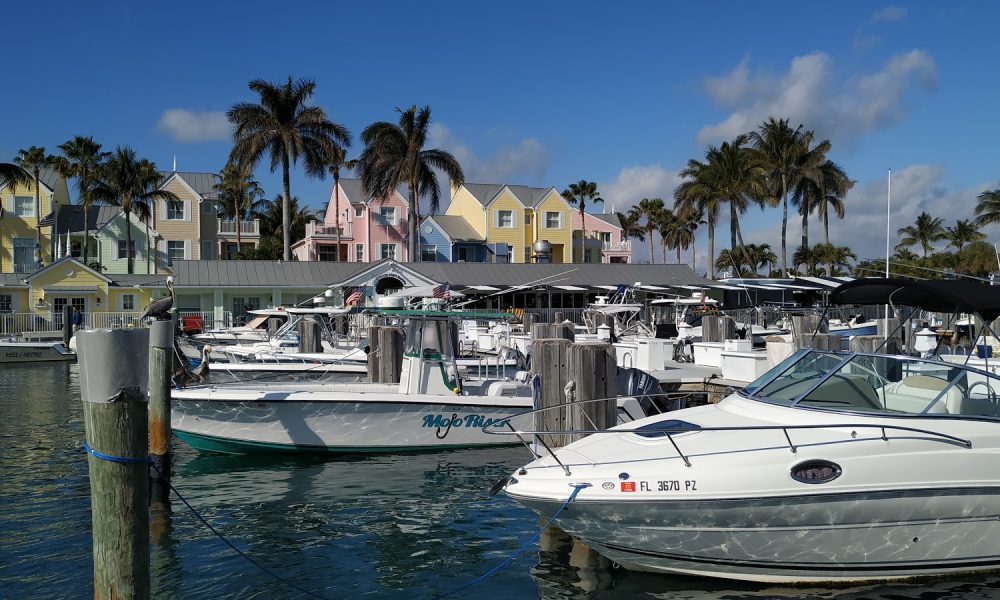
(875, 383)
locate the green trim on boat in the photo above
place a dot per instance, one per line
(221, 445)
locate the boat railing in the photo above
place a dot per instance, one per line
(674, 430)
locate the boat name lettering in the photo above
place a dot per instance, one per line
(444, 423)
(22, 355)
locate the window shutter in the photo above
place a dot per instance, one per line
(187, 210)
(187, 249)
(496, 218)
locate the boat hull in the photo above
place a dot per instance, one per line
(345, 425)
(842, 537)
(25, 352)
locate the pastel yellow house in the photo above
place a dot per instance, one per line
(512, 217)
(19, 231)
(69, 281)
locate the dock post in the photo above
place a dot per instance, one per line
(310, 337)
(113, 385)
(373, 353)
(67, 328)
(548, 356)
(273, 325)
(594, 369)
(390, 355)
(161, 362)
(558, 317)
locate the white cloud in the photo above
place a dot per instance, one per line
(195, 126)
(634, 183)
(509, 164)
(889, 14)
(811, 93)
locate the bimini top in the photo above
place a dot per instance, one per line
(941, 295)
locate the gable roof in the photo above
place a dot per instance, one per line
(71, 217)
(483, 192)
(47, 176)
(202, 183)
(610, 219)
(356, 192)
(456, 228)
(63, 262)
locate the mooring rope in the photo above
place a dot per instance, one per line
(524, 547)
(204, 521)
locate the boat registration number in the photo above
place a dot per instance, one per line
(669, 485)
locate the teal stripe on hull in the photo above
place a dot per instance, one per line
(221, 445)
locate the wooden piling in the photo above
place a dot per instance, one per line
(820, 341)
(593, 367)
(273, 325)
(310, 337)
(549, 362)
(558, 317)
(67, 329)
(390, 356)
(113, 385)
(373, 353)
(161, 362)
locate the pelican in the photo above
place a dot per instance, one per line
(160, 309)
(201, 371)
(183, 376)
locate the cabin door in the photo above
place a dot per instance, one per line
(59, 306)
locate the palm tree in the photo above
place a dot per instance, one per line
(650, 211)
(925, 232)
(578, 194)
(810, 257)
(132, 185)
(987, 207)
(820, 189)
(631, 227)
(784, 152)
(283, 126)
(239, 196)
(835, 257)
(13, 174)
(737, 176)
(336, 162)
(271, 215)
(698, 195)
(734, 260)
(964, 232)
(758, 255)
(667, 224)
(82, 158)
(33, 160)
(395, 154)
(689, 220)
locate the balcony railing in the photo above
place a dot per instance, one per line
(246, 227)
(315, 229)
(25, 268)
(625, 246)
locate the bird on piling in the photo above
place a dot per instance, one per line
(160, 309)
(201, 371)
(183, 376)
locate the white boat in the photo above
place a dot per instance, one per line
(254, 331)
(21, 352)
(833, 467)
(618, 308)
(431, 407)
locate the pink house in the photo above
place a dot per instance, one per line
(604, 242)
(370, 228)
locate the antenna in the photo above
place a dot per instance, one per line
(175, 163)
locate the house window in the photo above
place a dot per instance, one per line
(587, 255)
(128, 301)
(207, 250)
(121, 253)
(208, 207)
(606, 237)
(387, 215)
(175, 250)
(359, 252)
(327, 253)
(553, 220)
(389, 251)
(527, 217)
(428, 253)
(24, 254)
(6, 303)
(359, 211)
(24, 206)
(242, 304)
(505, 219)
(76, 249)
(175, 210)
(463, 254)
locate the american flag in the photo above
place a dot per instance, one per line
(48, 220)
(441, 291)
(356, 295)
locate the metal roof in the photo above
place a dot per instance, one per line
(314, 274)
(353, 190)
(610, 219)
(456, 228)
(202, 183)
(12, 280)
(483, 192)
(71, 217)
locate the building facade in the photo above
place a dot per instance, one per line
(371, 229)
(26, 246)
(603, 239)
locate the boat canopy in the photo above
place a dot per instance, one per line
(466, 315)
(940, 295)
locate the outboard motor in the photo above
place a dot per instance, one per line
(636, 389)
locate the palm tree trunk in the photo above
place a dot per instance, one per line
(128, 242)
(147, 248)
(739, 235)
(336, 209)
(583, 235)
(649, 238)
(678, 247)
(286, 209)
(236, 209)
(784, 225)
(733, 225)
(693, 252)
(663, 248)
(826, 237)
(38, 219)
(711, 248)
(411, 223)
(86, 230)
(805, 223)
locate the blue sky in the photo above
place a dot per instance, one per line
(540, 93)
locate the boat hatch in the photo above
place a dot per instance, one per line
(661, 428)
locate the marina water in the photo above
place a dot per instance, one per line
(386, 526)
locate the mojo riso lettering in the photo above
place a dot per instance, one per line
(444, 423)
